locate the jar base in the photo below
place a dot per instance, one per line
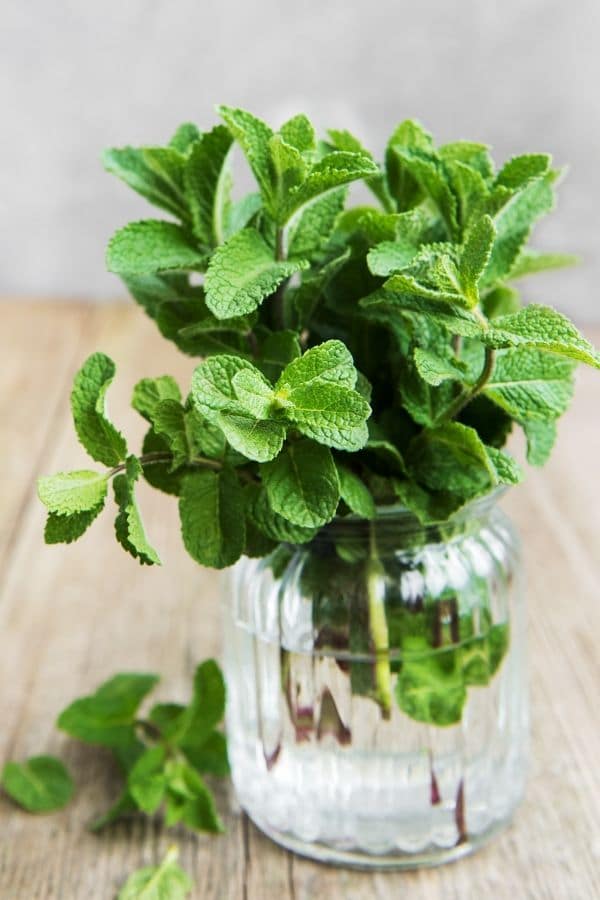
(393, 861)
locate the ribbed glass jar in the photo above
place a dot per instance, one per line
(377, 704)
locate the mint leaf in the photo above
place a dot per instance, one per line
(254, 392)
(99, 437)
(451, 457)
(107, 716)
(185, 137)
(40, 784)
(269, 522)
(212, 518)
(529, 262)
(256, 439)
(288, 169)
(389, 303)
(344, 140)
(513, 225)
(299, 132)
(277, 350)
(64, 529)
(138, 168)
(302, 484)
(169, 420)
(150, 246)
(189, 799)
(428, 172)
(435, 369)
(164, 882)
(391, 256)
(253, 135)
(428, 506)
(544, 328)
(541, 437)
(210, 757)
(430, 686)
(207, 185)
(239, 214)
(242, 272)
(212, 384)
(531, 383)
(331, 414)
(128, 524)
(355, 494)
(521, 169)
(475, 255)
(149, 392)
(330, 361)
(403, 185)
(506, 468)
(146, 781)
(334, 170)
(73, 492)
(316, 224)
(207, 707)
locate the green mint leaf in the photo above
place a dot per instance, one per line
(212, 384)
(475, 255)
(288, 169)
(428, 506)
(471, 191)
(408, 285)
(242, 272)
(514, 223)
(159, 474)
(151, 246)
(544, 328)
(473, 155)
(529, 262)
(190, 799)
(82, 491)
(107, 716)
(207, 185)
(155, 173)
(164, 882)
(435, 369)
(506, 468)
(500, 301)
(404, 187)
(299, 132)
(211, 757)
(333, 171)
(212, 518)
(541, 437)
(99, 437)
(429, 173)
(256, 439)
(451, 457)
(149, 392)
(424, 402)
(240, 214)
(312, 290)
(169, 421)
(431, 687)
(270, 523)
(146, 781)
(185, 137)
(391, 256)
(315, 225)
(331, 414)
(386, 305)
(531, 383)
(128, 524)
(207, 708)
(521, 169)
(64, 529)
(254, 392)
(40, 784)
(253, 135)
(155, 291)
(328, 362)
(344, 140)
(302, 484)
(355, 493)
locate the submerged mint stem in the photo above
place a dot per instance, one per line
(378, 627)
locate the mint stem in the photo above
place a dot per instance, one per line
(469, 394)
(378, 627)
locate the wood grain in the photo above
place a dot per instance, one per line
(71, 616)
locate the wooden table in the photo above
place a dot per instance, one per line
(71, 616)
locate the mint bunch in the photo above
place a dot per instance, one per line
(353, 355)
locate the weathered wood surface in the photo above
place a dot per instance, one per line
(71, 616)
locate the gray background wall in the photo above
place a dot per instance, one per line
(78, 76)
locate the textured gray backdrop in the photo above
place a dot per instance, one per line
(77, 76)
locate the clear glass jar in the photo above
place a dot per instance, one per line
(377, 704)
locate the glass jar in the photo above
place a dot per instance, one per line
(377, 705)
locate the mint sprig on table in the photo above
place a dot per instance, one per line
(353, 355)
(163, 755)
